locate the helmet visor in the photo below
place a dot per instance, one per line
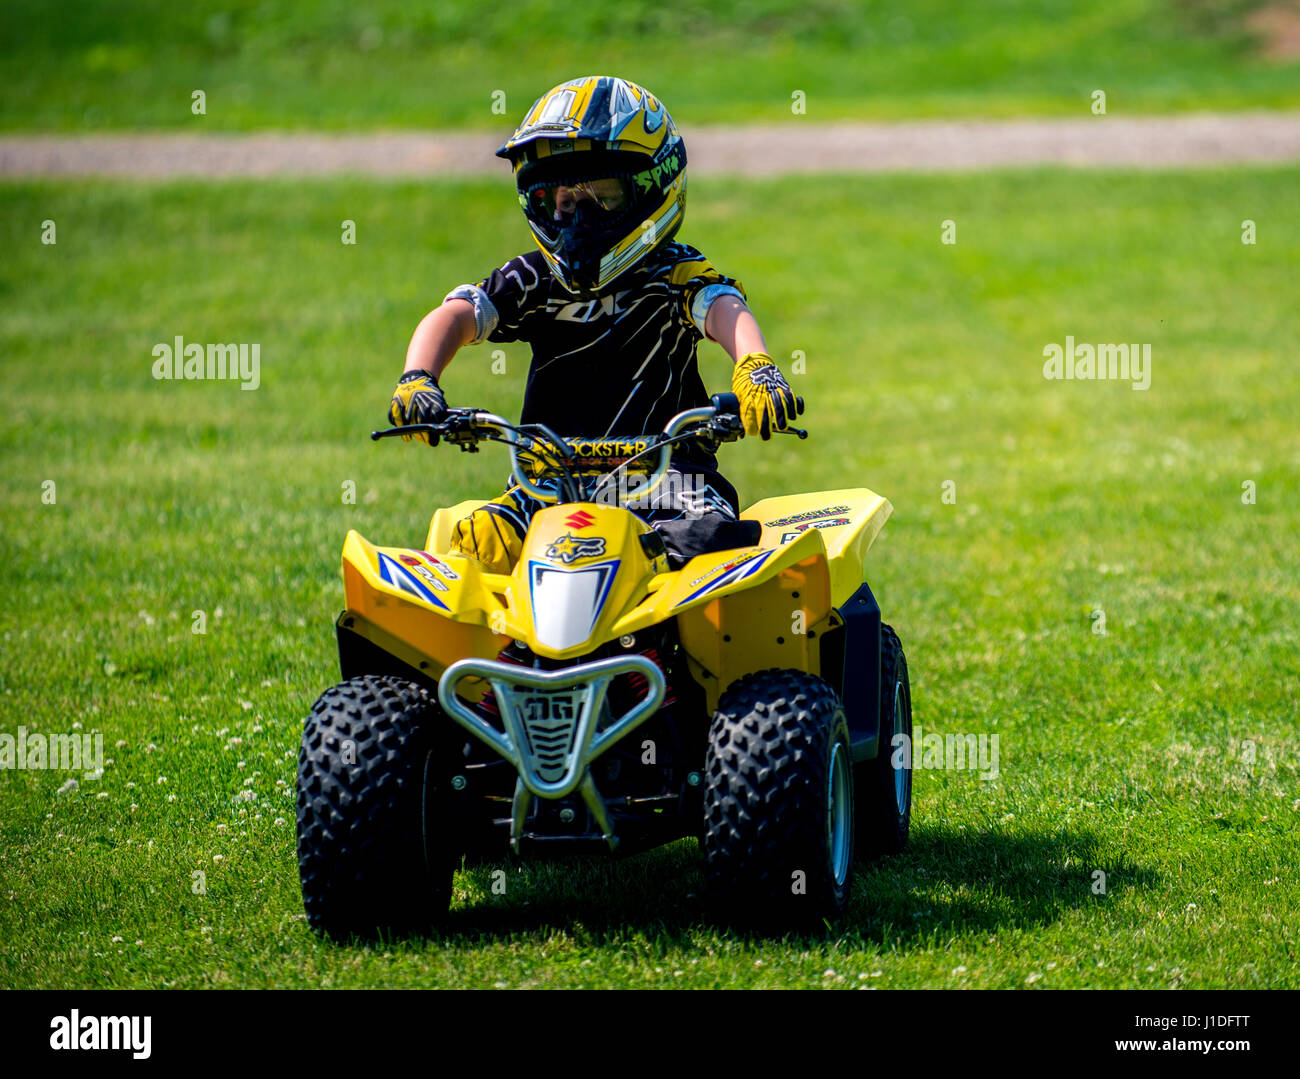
(601, 202)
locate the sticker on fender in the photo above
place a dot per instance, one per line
(410, 561)
(832, 522)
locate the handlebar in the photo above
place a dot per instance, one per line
(711, 424)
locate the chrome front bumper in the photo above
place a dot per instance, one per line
(551, 721)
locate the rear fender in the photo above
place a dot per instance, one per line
(849, 521)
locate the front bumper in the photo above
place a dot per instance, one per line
(556, 724)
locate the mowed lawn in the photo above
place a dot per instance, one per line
(87, 65)
(1161, 752)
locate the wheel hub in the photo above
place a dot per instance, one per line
(902, 776)
(839, 811)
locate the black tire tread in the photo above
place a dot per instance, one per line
(880, 830)
(364, 863)
(764, 796)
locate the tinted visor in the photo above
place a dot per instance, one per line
(595, 205)
(595, 192)
(611, 195)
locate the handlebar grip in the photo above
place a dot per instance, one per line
(728, 403)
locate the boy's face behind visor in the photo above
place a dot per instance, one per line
(610, 195)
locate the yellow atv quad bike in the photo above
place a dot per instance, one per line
(597, 700)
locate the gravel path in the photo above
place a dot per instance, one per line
(1166, 141)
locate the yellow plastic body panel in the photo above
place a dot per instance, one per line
(420, 631)
(848, 520)
(737, 611)
(772, 623)
(581, 535)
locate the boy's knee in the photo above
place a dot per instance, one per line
(490, 536)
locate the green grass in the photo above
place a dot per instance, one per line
(1162, 753)
(85, 66)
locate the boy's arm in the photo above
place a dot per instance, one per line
(440, 334)
(766, 401)
(730, 323)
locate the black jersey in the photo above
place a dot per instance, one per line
(621, 364)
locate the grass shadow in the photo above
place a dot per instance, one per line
(948, 881)
(953, 881)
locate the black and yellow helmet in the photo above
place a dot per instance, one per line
(601, 174)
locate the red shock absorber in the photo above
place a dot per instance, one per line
(638, 682)
(488, 706)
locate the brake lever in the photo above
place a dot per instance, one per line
(798, 411)
(433, 430)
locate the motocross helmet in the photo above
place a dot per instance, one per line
(601, 175)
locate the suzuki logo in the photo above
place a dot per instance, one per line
(581, 519)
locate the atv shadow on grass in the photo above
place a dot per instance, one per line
(949, 880)
(956, 881)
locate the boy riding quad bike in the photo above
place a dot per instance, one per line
(553, 672)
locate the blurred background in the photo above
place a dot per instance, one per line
(85, 65)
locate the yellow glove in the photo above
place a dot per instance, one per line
(418, 399)
(767, 403)
(492, 536)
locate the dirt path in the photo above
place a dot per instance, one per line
(1166, 141)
